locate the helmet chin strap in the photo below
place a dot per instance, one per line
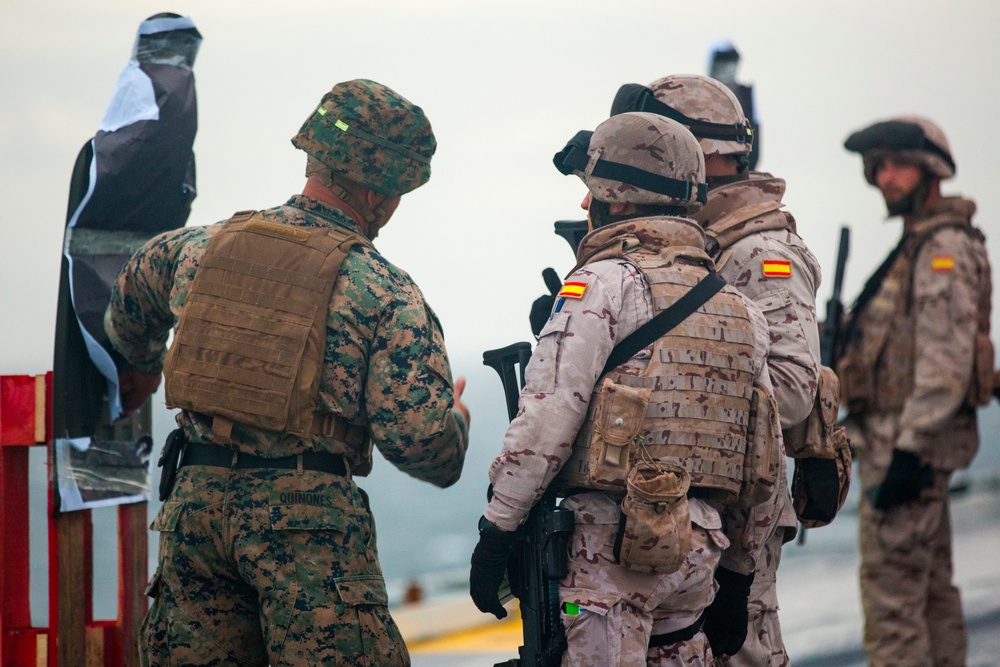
(330, 181)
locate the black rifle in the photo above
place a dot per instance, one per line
(831, 338)
(573, 231)
(540, 550)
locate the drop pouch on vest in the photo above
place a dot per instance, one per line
(761, 463)
(654, 536)
(621, 412)
(822, 456)
(981, 386)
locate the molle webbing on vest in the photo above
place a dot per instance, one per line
(250, 344)
(700, 382)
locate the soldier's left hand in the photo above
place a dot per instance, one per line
(904, 480)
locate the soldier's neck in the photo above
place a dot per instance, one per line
(314, 189)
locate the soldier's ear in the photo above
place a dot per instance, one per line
(621, 208)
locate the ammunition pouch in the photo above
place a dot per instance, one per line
(170, 460)
(761, 464)
(654, 535)
(822, 454)
(617, 428)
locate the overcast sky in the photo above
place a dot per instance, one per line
(504, 85)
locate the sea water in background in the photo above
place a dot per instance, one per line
(427, 535)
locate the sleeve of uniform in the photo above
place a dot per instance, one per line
(138, 319)
(572, 349)
(749, 528)
(788, 302)
(945, 305)
(409, 393)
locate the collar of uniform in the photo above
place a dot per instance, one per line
(945, 210)
(758, 187)
(323, 213)
(652, 234)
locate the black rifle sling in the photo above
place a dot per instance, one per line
(652, 330)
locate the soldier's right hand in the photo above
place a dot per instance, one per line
(489, 564)
(135, 387)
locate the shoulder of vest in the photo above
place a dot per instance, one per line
(736, 226)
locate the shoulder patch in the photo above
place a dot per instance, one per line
(776, 268)
(943, 263)
(573, 290)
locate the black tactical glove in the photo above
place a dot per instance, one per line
(489, 563)
(904, 480)
(541, 308)
(727, 617)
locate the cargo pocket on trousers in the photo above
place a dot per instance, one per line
(167, 518)
(381, 643)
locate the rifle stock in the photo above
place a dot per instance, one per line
(540, 555)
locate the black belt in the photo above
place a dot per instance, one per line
(197, 454)
(681, 635)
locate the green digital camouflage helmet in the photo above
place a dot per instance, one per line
(371, 135)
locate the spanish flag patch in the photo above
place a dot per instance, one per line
(943, 263)
(777, 268)
(573, 290)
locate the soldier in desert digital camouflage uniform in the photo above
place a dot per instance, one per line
(297, 347)
(754, 243)
(686, 415)
(918, 360)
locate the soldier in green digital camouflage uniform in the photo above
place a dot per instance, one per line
(297, 347)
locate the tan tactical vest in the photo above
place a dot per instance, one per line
(742, 208)
(693, 403)
(251, 339)
(878, 376)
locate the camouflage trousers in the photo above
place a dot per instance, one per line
(620, 608)
(913, 612)
(267, 567)
(763, 646)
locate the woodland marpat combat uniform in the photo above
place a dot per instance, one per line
(622, 608)
(261, 565)
(773, 267)
(917, 337)
(300, 545)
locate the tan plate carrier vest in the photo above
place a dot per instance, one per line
(878, 376)
(694, 404)
(251, 340)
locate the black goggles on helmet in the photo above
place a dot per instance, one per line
(636, 97)
(574, 157)
(895, 136)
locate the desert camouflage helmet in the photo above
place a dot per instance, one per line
(705, 106)
(370, 135)
(907, 137)
(638, 158)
